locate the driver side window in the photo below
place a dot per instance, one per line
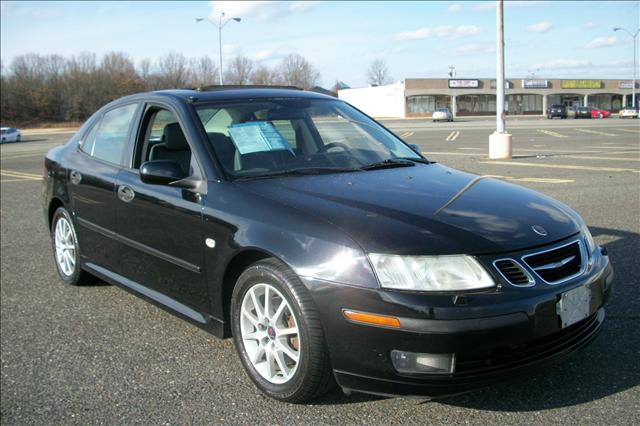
(164, 139)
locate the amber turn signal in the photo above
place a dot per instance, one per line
(372, 319)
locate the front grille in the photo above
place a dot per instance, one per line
(558, 264)
(504, 358)
(513, 272)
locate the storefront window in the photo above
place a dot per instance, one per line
(609, 102)
(476, 104)
(427, 103)
(524, 104)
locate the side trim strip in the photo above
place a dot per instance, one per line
(139, 246)
(145, 291)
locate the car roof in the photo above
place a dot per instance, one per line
(223, 93)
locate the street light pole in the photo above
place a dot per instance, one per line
(500, 67)
(220, 25)
(635, 66)
(500, 140)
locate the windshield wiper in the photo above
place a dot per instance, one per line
(389, 164)
(303, 171)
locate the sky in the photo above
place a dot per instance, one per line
(544, 39)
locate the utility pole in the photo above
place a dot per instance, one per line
(220, 25)
(500, 140)
(635, 66)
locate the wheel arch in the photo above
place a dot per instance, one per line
(238, 263)
(54, 205)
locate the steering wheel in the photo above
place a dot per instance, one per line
(331, 145)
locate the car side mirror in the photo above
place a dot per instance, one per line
(161, 172)
(414, 147)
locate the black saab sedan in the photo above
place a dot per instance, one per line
(327, 247)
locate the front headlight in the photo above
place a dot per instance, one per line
(430, 273)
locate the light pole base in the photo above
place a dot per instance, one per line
(500, 146)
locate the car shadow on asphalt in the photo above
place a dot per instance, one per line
(609, 365)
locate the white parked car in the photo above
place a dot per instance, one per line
(9, 134)
(442, 114)
(628, 113)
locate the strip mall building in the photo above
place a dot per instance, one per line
(420, 97)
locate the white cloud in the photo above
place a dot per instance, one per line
(455, 8)
(264, 54)
(564, 64)
(601, 42)
(589, 25)
(507, 5)
(474, 49)
(440, 32)
(230, 49)
(258, 10)
(540, 27)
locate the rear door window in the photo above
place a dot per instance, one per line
(108, 140)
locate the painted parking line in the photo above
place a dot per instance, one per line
(474, 149)
(552, 133)
(596, 132)
(19, 175)
(453, 136)
(13, 157)
(581, 157)
(406, 134)
(563, 166)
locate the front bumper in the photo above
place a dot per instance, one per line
(494, 335)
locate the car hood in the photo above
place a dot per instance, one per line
(425, 209)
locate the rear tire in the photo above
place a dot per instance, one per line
(66, 250)
(18, 138)
(259, 329)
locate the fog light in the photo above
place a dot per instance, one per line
(414, 363)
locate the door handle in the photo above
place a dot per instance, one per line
(126, 194)
(75, 177)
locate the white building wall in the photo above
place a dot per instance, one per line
(380, 101)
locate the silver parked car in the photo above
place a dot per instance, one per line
(442, 114)
(9, 134)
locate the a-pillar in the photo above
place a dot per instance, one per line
(454, 108)
(544, 104)
(586, 100)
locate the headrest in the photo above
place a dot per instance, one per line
(174, 138)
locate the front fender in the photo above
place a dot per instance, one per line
(239, 221)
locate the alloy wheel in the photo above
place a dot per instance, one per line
(270, 333)
(65, 246)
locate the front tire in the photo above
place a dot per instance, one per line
(277, 333)
(66, 250)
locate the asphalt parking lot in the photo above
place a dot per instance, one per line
(96, 354)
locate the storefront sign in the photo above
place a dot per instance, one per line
(581, 84)
(535, 84)
(464, 84)
(625, 84)
(507, 84)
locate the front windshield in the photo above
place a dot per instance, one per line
(279, 136)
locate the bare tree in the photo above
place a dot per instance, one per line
(263, 75)
(295, 70)
(239, 70)
(378, 73)
(172, 71)
(203, 72)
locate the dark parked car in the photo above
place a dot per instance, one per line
(583, 112)
(326, 246)
(557, 111)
